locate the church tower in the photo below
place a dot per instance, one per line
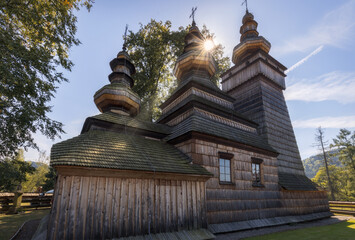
(257, 82)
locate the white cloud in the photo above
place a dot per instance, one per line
(299, 63)
(337, 86)
(335, 29)
(326, 122)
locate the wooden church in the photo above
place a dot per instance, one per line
(216, 160)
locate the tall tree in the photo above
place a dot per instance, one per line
(321, 143)
(343, 180)
(49, 182)
(13, 172)
(223, 63)
(345, 142)
(35, 37)
(37, 179)
(154, 50)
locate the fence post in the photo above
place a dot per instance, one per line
(17, 200)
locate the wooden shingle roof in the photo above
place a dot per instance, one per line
(105, 149)
(200, 124)
(131, 122)
(203, 103)
(296, 182)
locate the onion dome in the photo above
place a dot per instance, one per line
(117, 96)
(250, 41)
(248, 29)
(195, 59)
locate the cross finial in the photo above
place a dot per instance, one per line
(125, 38)
(193, 10)
(246, 4)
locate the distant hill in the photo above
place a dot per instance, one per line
(37, 164)
(313, 163)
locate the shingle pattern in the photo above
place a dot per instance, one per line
(200, 124)
(105, 149)
(228, 111)
(132, 122)
(296, 182)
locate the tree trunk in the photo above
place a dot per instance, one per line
(17, 201)
(330, 184)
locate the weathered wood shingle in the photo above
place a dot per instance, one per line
(296, 182)
(135, 122)
(105, 149)
(203, 125)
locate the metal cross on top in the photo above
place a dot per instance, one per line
(125, 38)
(246, 4)
(193, 10)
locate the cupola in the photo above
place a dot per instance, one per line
(195, 60)
(118, 96)
(250, 41)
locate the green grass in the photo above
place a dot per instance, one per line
(9, 224)
(343, 231)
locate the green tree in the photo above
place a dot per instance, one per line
(342, 179)
(223, 63)
(35, 37)
(345, 143)
(154, 50)
(36, 179)
(50, 180)
(322, 144)
(13, 172)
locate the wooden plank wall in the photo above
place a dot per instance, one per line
(107, 207)
(240, 201)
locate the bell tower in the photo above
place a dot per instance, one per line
(257, 82)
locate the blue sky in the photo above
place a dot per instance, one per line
(314, 39)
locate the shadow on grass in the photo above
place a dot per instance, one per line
(343, 231)
(9, 224)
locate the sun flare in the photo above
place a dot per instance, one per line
(208, 45)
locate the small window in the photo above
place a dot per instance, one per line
(256, 170)
(256, 173)
(224, 170)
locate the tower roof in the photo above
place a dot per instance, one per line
(250, 41)
(249, 28)
(118, 96)
(195, 60)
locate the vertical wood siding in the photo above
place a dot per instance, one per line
(107, 207)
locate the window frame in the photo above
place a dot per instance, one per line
(226, 157)
(257, 162)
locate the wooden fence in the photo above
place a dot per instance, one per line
(347, 208)
(34, 200)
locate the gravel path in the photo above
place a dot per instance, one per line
(263, 231)
(27, 230)
(30, 227)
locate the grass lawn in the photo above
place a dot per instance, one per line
(343, 231)
(10, 223)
